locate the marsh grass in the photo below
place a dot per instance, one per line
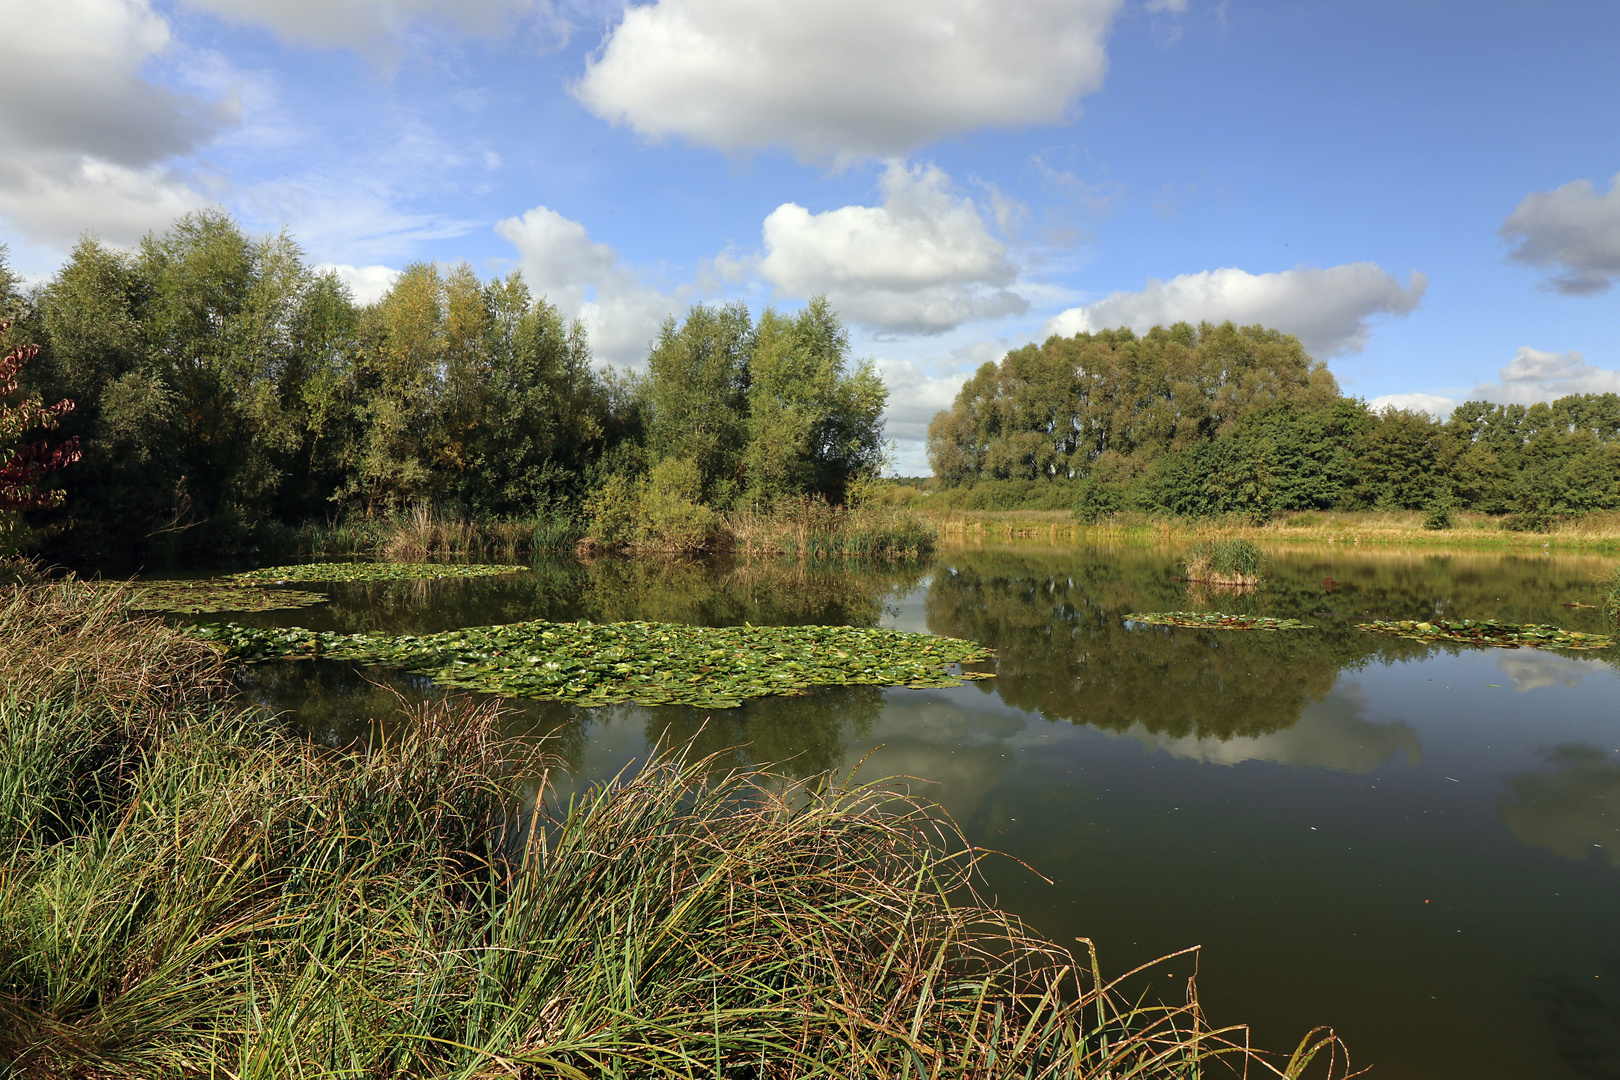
(809, 528)
(1610, 587)
(1225, 560)
(422, 533)
(216, 897)
(1597, 531)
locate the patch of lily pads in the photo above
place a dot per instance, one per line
(352, 571)
(646, 663)
(1215, 620)
(209, 596)
(1499, 635)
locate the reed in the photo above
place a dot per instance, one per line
(1610, 587)
(241, 904)
(424, 533)
(811, 528)
(1225, 560)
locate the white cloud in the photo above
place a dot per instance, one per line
(1573, 230)
(584, 280)
(89, 140)
(368, 25)
(367, 283)
(1436, 405)
(1328, 310)
(845, 78)
(1533, 375)
(923, 262)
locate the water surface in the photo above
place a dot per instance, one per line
(1419, 845)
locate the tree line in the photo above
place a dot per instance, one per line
(222, 383)
(1208, 420)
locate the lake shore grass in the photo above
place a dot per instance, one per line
(1597, 532)
(192, 890)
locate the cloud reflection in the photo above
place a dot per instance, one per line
(1532, 669)
(1572, 811)
(1333, 733)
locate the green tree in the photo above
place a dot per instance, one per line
(696, 396)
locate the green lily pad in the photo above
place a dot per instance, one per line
(372, 572)
(648, 663)
(209, 596)
(1214, 620)
(1497, 635)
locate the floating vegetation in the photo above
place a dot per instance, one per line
(1498, 635)
(648, 663)
(1214, 620)
(356, 571)
(208, 596)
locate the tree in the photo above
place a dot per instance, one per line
(24, 466)
(697, 396)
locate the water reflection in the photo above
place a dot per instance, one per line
(1532, 670)
(1572, 810)
(1333, 733)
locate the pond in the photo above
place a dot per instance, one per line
(1417, 844)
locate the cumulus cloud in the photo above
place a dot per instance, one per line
(845, 78)
(89, 139)
(370, 24)
(1330, 311)
(584, 280)
(367, 283)
(1533, 375)
(1572, 230)
(1436, 405)
(923, 262)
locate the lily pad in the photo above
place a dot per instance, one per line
(210, 596)
(1214, 620)
(352, 571)
(1498, 635)
(648, 663)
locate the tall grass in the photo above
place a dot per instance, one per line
(1225, 560)
(423, 533)
(215, 897)
(809, 528)
(1611, 594)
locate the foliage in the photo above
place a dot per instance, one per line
(1438, 515)
(1225, 561)
(1500, 635)
(23, 467)
(1214, 620)
(649, 663)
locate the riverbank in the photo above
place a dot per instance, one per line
(191, 889)
(1597, 533)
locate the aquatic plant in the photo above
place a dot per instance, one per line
(1611, 594)
(1500, 635)
(220, 898)
(1225, 561)
(356, 571)
(648, 663)
(208, 596)
(1214, 620)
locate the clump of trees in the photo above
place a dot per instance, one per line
(1211, 420)
(224, 386)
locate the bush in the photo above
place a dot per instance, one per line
(614, 512)
(1438, 516)
(1528, 521)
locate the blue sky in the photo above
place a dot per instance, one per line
(1423, 191)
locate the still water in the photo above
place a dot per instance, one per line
(1418, 845)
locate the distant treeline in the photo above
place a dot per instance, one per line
(1212, 420)
(223, 384)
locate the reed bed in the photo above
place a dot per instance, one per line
(422, 533)
(1230, 561)
(811, 528)
(1596, 532)
(219, 898)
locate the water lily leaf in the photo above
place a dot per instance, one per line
(352, 571)
(1214, 620)
(649, 663)
(1490, 633)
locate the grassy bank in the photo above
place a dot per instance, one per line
(189, 890)
(1598, 532)
(420, 534)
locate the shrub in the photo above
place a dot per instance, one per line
(613, 512)
(1438, 515)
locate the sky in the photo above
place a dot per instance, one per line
(1425, 192)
